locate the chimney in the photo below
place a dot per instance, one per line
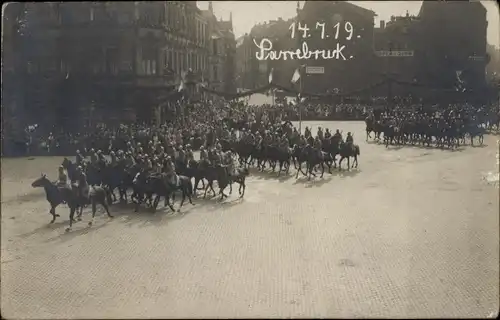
(210, 7)
(382, 24)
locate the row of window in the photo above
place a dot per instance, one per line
(178, 61)
(172, 14)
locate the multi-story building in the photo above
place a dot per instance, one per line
(244, 60)
(332, 25)
(221, 52)
(395, 47)
(493, 67)
(452, 39)
(104, 60)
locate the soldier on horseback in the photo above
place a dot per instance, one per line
(82, 185)
(203, 154)
(337, 136)
(189, 154)
(349, 140)
(320, 133)
(114, 161)
(169, 169)
(100, 157)
(317, 145)
(62, 180)
(181, 156)
(79, 158)
(307, 132)
(93, 157)
(129, 160)
(234, 137)
(284, 143)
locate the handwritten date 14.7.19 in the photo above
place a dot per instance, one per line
(321, 26)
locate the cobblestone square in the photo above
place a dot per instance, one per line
(412, 233)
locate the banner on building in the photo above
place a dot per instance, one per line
(315, 70)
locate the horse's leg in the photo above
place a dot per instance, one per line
(322, 169)
(187, 190)
(138, 202)
(206, 189)
(155, 203)
(183, 199)
(94, 209)
(167, 203)
(244, 186)
(297, 175)
(71, 216)
(53, 213)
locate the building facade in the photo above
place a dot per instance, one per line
(221, 52)
(453, 39)
(83, 62)
(345, 24)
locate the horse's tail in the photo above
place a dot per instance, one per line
(357, 151)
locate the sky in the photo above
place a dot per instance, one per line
(248, 13)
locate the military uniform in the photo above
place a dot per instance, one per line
(62, 180)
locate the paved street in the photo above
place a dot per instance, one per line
(412, 233)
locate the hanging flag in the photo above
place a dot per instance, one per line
(181, 86)
(296, 76)
(271, 75)
(459, 73)
(67, 75)
(460, 84)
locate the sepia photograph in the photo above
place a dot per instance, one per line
(250, 159)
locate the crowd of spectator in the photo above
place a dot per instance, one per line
(191, 122)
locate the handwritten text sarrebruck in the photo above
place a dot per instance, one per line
(335, 50)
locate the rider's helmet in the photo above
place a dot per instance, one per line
(92, 150)
(348, 133)
(112, 153)
(181, 148)
(202, 148)
(78, 151)
(188, 146)
(61, 168)
(99, 152)
(79, 168)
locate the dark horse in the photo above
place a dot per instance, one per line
(347, 151)
(185, 185)
(239, 177)
(57, 195)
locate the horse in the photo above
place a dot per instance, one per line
(239, 177)
(57, 195)
(314, 158)
(184, 184)
(219, 173)
(298, 157)
(347, 151)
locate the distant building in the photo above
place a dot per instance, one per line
(222, 52)
(348, 75)
(396, 46)
(83, 62)
(493, 67)
(244, 49)
(452, 39)
(277, 32)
